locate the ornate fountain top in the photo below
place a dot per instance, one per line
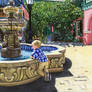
(17, 18)
(10, 9)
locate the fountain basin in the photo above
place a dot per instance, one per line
(24, 70)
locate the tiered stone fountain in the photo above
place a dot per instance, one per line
(11, 46)
(16, 66)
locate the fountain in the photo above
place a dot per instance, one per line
(11, 46)
(16, 66)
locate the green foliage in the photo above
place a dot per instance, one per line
(60, 14)
(39, 18)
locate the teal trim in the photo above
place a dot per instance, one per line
(85, 5)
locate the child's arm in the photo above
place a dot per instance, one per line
(34, 55)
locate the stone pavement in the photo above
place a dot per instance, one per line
(81, 70)
(76, 77)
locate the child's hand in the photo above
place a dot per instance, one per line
(32, 57)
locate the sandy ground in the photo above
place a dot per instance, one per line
(81, 70)
(77, 76)
(81, 58)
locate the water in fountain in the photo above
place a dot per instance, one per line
(26, 52)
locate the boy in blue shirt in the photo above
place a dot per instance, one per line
(41, 57)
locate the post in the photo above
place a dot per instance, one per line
(30, 30)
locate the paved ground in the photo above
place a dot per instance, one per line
(76, 77)
(81, 70)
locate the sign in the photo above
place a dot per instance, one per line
(87, 1)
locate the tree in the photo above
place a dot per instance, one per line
(58, 14)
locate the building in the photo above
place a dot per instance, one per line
(87, 21)
(86, 6)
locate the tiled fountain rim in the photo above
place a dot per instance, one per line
(55, 52)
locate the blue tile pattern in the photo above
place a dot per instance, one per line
(43, 48)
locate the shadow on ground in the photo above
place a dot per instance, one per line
(39, 85)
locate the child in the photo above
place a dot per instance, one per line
(41, 57)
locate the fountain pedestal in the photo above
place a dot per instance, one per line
(9, 52)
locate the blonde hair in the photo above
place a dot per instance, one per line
(37, 43)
